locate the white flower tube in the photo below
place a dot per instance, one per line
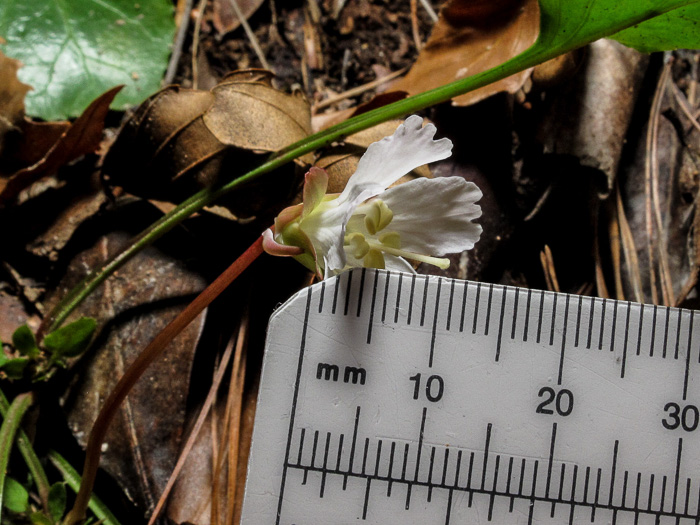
(372, 226)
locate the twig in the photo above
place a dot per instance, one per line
(614, 234)
(601, 287)
(178, 44)
(357, 90)
(429, 9)
(648, 197)
(684, 105)
(251, 36)
(195, 41)
(234, 405)
(154, 349)
(629, 250)
(550, 273)
(199, 423)
(414, 25)
(653, 160)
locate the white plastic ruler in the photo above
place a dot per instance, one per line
(388, 398)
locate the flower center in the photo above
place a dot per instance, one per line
(372, 249)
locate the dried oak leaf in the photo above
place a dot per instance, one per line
(250, 114)
(471, 37)
(133, 306)
(82, 137)
(181, 140)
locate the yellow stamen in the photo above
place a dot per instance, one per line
(391, 239)
(440, 262)
(377, 216)
(374, 259)
(359, 245)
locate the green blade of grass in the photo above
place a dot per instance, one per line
(30, 458)
(8, 430)
(72, 478)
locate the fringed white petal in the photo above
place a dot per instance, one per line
(434, 216)
(389, 159)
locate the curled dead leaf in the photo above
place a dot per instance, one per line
(181, 140)
(471, 37)
(251, 114)
(82, 137)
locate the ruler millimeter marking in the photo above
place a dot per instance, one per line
(394, 398)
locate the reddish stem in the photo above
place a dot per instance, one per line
(139, 366)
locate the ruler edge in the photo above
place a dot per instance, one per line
(305, 294)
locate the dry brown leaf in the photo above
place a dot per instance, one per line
(471, 37)
(256, 116)
(589, 119)
(180, 141)
(12, 93)
(224, 17)
(133, 306)
(82, 137)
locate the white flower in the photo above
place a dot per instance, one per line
(372, 226)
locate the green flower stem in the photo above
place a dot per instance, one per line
(10, 425)
(553, 41)
(72, 478)
(30, 458)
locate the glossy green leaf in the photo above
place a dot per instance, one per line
(24, 341)
(678, 29)
(15, 496)
(57, 500)
(72, 339)
(75, 50)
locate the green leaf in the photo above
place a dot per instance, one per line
(72, 339)
(37, 518)
(57, 500)
(15, 496)
(677, 29)
(75, 50)
(14, 368)
(23, 340)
